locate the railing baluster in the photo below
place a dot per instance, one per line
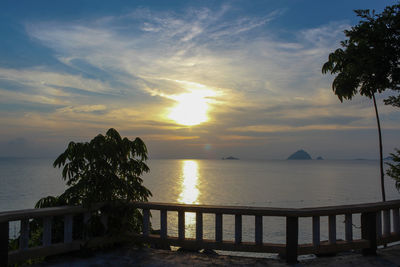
(47, 225)
(396, 221)
(24, 238)
(368, 232)
(146, 222)
(181, 225)
(68, 224)
(86, 221)
(218, 227)
(332, 229)
(163, 223)
(238, 228)
(104, 220)
(86, 217)
(379, 224)
(316, 231)
(292, 239)
(199, 226)
(4, 232)
(386, 222)
(259, 229)
(348, 227)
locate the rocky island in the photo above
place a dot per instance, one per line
(299, 155)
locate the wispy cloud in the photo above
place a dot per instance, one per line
(125, 70)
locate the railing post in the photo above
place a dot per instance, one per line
(181, 225)
(259, 229)
(146, 222)
(163, 223)
(368, 232)
(379, 224)
(86, 221)
(396, 221)
(332, 228)
(68, 224)
(4, 243)
(386, 222)
(24, 237)
(238, 228)
(47, 225)
(218, 227)
(199, 226)
(292, 239)
(348, 227)
(104, 221)
(316, 232)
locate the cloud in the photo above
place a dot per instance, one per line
(126, 70)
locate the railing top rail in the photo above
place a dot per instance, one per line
(15, 215)
(242, 210)
(271, 211)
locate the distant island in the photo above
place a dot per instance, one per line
(299, 155)
(230, 158)
(320, 158)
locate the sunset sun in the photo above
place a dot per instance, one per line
(191, 108)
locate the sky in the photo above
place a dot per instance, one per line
(193, 79)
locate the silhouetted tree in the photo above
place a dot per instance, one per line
(106, 169)
(368, 62)
(394, 169)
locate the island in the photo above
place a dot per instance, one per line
(320, 158)
(299, 155)
(230, 158)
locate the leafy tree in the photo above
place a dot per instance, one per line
(107, 169)
(368, 62)
(393, 100)
(394, 170)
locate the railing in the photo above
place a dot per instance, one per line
(371, 228)
(47, 248)
(377, 222)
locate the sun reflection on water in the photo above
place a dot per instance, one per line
(189, 192)
(190, 175)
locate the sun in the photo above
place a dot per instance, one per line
(191, 108)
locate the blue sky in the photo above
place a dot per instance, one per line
(193, 79)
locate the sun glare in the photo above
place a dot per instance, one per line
(190, 177)
(191, 108)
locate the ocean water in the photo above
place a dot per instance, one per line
(274, 183)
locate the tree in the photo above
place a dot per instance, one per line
(106, 169)
(393, 100)
(394, 169)
(368, 62)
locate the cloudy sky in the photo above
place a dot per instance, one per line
(193, 79)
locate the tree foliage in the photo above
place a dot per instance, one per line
(107, 169)
(368, 62)
(369, 59)
(394, 168)
(393, 100)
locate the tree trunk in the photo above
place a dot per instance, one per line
(380, 150)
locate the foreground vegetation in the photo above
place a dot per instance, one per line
(107, 169)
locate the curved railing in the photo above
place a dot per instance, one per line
(380, 224)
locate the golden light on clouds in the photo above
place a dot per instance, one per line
(191, 107)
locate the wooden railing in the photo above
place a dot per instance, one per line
(380, 224)
(47, 248)
(371, 228)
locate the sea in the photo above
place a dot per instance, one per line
(258, 183)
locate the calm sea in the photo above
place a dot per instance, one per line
(275, 183)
